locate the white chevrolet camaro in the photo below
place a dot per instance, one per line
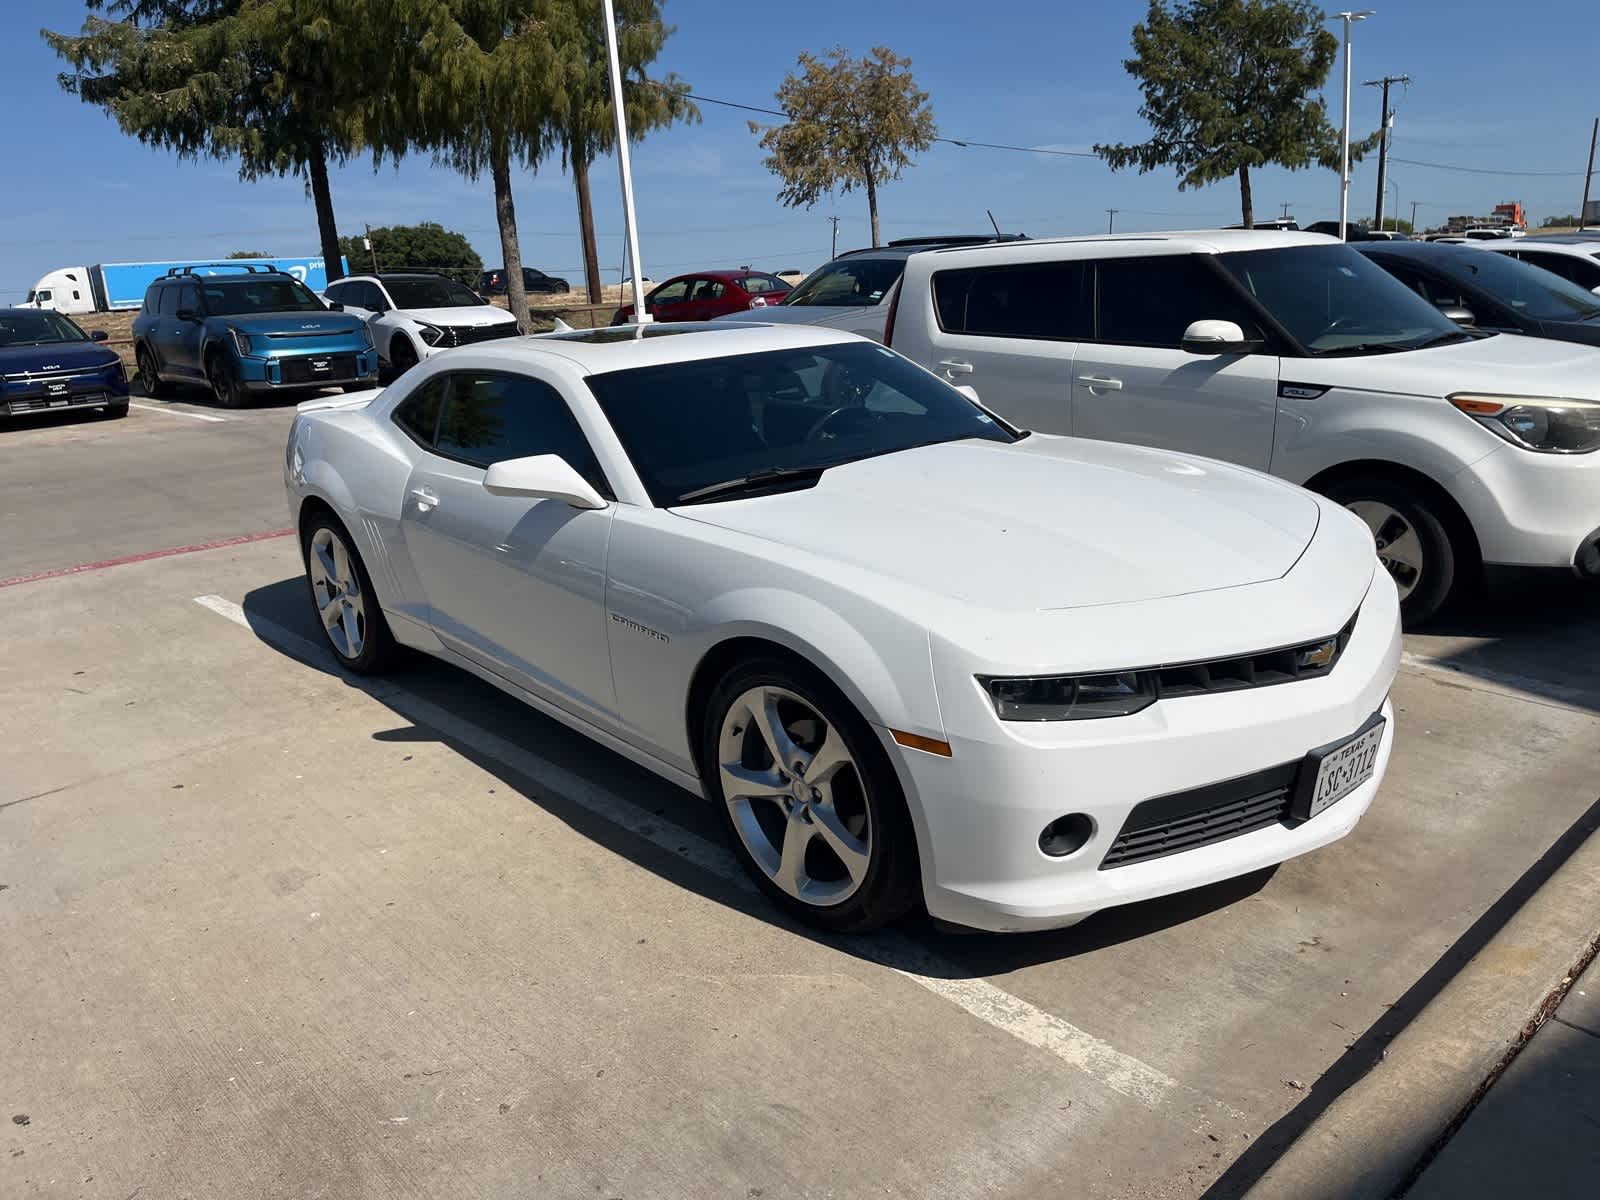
(906, 650)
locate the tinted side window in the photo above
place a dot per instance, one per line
(672, 293)
(338, 293)
(418, 413)
(1030, 300)
(1435, 290)
(188, 298)
(490, 417)
(1565, 265)
(169, 300)
(1150, 301)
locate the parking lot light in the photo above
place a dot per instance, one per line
(1344, 136)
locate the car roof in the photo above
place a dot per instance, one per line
(620, 347)
(1559, 243)
(1185, 241)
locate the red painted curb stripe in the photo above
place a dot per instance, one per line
(242, 540)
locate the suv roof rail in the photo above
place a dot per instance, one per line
(958, 239)
(247, 268)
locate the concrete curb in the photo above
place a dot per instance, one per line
(1370, 1141)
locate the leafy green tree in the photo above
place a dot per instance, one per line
(262, 80)
(1229, 85)
(585, 126)
(428, 246)
(250, 254)
(852, 123)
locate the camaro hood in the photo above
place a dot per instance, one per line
(56, 356)
(1506, 364)
(462, 315)
(1045, 523)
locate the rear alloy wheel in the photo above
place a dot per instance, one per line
(224, 379)
(342, 595)
(149, 379)
(1412, 542)
(813, 806)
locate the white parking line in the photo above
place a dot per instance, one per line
(999, 1009)
(177, 412)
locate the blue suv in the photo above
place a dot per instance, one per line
(48, 363)
(244, 330)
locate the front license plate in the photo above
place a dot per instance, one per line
(1332, 772)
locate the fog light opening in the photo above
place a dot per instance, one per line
(1066, 835)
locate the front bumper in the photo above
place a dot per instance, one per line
(301, 371)
(981, 811)
(104, 390)
(1532, 510)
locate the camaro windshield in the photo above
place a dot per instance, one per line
(848, 283)
(38, 329)
(691, 426)
(259, 295)
(1334, 301)
(430, 293)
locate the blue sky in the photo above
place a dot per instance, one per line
(1024, 72)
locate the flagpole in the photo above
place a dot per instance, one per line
(630, 221)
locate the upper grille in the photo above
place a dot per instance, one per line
(1184, 820)
(466, 335)
(1263, 669)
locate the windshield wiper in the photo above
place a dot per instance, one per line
(1363, 348)
(1444, 339)
(753, 481)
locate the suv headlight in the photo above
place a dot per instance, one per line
(1070, 697)
(1548, 424)
(241, 340)
(431, 334)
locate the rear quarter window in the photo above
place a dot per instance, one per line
(1046, 301)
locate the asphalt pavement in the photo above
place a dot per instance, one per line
(272, 931)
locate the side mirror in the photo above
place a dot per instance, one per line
(1461, 316)
(98, 335)
(185, 314)
(1595, 290)
(335, 306)
(542, 477)
(967, 390)
(1217, 337)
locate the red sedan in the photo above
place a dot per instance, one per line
(708, 294)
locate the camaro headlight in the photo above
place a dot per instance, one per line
(1548, 424)
(241, 340)
(1070, 697)
(431, 334)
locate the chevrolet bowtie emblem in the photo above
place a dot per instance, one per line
(1319, 655)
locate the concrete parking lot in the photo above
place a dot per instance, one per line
(274, 932)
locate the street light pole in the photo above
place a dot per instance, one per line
(1344, 136)
(630, 221)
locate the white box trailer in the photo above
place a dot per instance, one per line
(107, 287)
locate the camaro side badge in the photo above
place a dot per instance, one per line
(638, 628)
(1299, 391)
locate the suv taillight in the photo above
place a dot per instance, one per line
(894, 307)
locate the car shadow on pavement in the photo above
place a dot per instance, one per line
(1368, 1049)
(1537, 633)
(423, 686)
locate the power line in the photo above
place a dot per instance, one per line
(1411, 162)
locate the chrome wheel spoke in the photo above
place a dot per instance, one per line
(748, 783)
(1406, 549)
(791, 873)
(324, 560)
(351, 623)
(764, 712)
(852, 851)
(825, 762)
(332, 611)
(341, 564)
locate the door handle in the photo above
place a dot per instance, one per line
(425, 497)
(1100, 383)
(954, 366)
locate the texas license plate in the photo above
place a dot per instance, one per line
(1332, 772)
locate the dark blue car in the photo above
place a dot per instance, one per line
(48, 364)
(245, 330)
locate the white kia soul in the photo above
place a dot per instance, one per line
(1292, 354)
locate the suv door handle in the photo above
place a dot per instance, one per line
(1100, 383)
(954, 366)
(426, 498)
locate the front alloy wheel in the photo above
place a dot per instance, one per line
(1412, 542)
(224, 379)
(808, 795)
(341, 594)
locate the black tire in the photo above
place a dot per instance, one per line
(891, 883)
(149, 379)
(1443, 558)
(377, 650)
(223, 376)
(118, 409)
(402, 356)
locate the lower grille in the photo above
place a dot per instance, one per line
(467, 335)
(43, 403)
(1185, 820)
(300, 370)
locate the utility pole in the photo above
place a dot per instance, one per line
(371, 249)
(1383, 139)
(1583, 212)
(1111, 219)
(1344, 135)
(1413, 218)
(1285, 207)
(835, 221)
